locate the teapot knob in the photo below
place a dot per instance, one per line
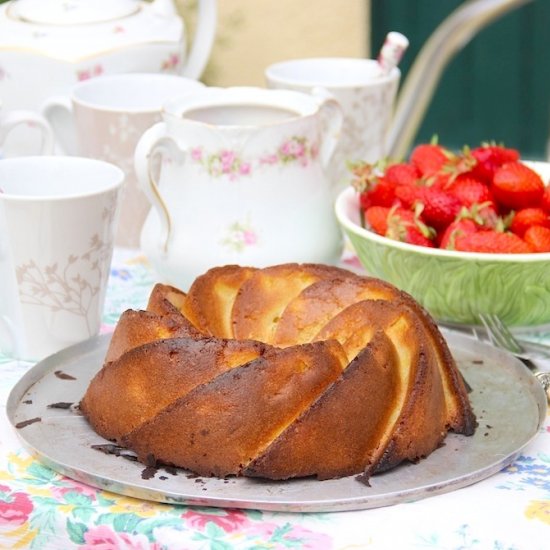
(164, 7)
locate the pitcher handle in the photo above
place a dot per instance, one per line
(153, 142)
(11, 119)
(58, 110)
(203, 40)
(332, 118)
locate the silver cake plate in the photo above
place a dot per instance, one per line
(509, 403)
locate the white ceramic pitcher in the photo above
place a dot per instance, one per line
(242, 180)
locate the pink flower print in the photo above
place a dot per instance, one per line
(74, 487)
(171, 63)
(294, 149)
(245, 168)
(196, 154)
(227, 159)
(15, 508)
(297, 536)
(228, 520)
(96, 70)
(104, 538)
(249, 237)
(119, 29)
(269, 159)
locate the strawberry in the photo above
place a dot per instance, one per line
(492, 241)
(546, 199)
(470, 191)
(527, 217)
(516, 186)
(414, 235)
(438, 208)
(408, 195)
(429, 158)
(538, 238)
(402, 174)
(484, 214)
(457, 228)
(377, 219)
(380, 193)
(363, 176)
(488, 158)
(404, 225)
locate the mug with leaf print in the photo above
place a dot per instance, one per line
(103, 118)
(57, 222)
(242, 181)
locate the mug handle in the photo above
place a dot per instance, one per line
(58, 111)
(11, 119)
(332, 118)
(155, 142)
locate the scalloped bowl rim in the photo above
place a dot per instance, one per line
(347, 205)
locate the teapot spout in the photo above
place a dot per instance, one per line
(164, 7)
(419, 86)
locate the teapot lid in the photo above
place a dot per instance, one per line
(73, 12)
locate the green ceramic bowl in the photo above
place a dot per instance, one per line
(455, 286)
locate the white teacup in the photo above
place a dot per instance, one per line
(104, 118)
(11, 120)
(366, 96)
(57, 223)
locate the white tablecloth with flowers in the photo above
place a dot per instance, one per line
(43, 510)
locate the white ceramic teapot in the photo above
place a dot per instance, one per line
(242, 181)
(48, 45)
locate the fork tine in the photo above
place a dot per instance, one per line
(507, 335)
(499, 334)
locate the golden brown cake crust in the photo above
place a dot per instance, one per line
(285, 371)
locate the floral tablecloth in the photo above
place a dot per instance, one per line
(44, 510)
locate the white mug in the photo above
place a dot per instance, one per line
(11, 120)
(57, 223)
(242, 181)
(366, 96)
(104, 118)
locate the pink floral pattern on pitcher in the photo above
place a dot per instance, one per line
(240, 235)
(229, 163)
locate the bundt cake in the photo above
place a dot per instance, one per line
(287, 371)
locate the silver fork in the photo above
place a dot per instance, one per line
(501, 337)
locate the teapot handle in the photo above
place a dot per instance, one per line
(332, 118)
(58, 110)
(155, 142)
(11, 119)
(203, 39)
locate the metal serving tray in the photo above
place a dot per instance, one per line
(509, 403)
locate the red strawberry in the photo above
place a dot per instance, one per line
(404, 225)
(429, 158)
(439, 208)
(408, 195)
(485, 215)
(454, 230)
(527, 217)
(516, 186)
(489, 157)
(470, 191)
(492, 241)
(546, 199)
(402, 174)
(380, 193)
(413, 235)
(538, 238)
(377, 219)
